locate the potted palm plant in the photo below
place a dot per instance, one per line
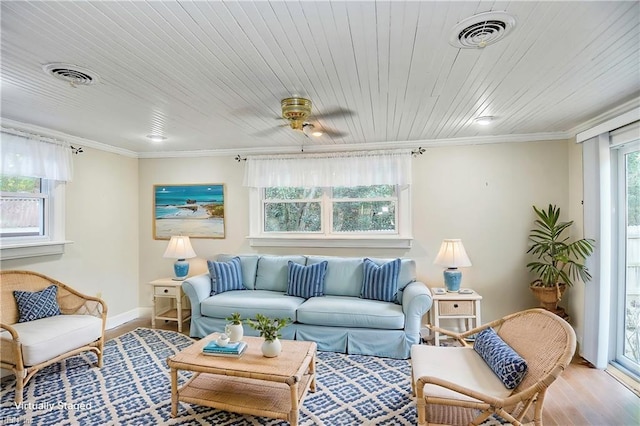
(270, 330)
(559, 263)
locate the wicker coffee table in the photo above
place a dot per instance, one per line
(251, 384)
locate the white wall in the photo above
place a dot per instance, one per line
(480, 193)
(102, 221)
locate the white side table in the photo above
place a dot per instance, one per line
(465, 307)
(167, 288)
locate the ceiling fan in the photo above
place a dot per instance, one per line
(297, 112)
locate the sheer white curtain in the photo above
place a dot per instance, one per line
(391, 167)
(22, 156)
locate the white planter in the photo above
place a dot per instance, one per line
(271, 349)
(235, 332)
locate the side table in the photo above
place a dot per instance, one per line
(167, 288)
(465, 307)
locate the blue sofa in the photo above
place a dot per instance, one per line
(339, 321)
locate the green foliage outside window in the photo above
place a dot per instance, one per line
(19, 184)
(353, 209)
(633, 188)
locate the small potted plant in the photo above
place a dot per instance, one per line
(234, 329)
(270, 330)
(558, 262)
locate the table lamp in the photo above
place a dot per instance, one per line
(180, 248)
(452, 256)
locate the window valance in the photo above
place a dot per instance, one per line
(362, 168)
(23, 156)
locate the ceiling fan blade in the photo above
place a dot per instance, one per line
(269, 131)
(336, 112)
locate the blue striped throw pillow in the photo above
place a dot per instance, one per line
(33, 305)
(225, 276)
(503, 360)
(306, 281)
(380, 282)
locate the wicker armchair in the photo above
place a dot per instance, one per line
(453, 385)
(28, 347)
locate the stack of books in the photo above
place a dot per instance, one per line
(235, 349)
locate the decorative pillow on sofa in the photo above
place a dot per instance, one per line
(225, 276)
(306, 281)
(380, 282)
(33, 305)
(503, 360)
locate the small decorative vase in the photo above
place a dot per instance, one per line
(271, 348)
(235, 332)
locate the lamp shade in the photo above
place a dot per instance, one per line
(452, 254)
(179, 248)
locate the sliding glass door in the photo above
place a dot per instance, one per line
(628, 237)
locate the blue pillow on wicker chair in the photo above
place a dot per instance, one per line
(503, 360)
(33, 305)
(306, 281)
(225, 276)
(380, 282)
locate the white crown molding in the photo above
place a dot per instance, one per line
(54, 134)
(474, 140)
(607, 116)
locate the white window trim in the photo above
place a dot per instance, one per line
(51, 244)
(402, 239)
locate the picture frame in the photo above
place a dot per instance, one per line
(193, 210)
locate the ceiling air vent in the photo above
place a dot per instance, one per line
(72, 74)
(481, 30)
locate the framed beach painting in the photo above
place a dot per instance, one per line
(196, 211)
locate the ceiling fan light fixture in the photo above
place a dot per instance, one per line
(156, 138)
(484, 120)
(308, 129)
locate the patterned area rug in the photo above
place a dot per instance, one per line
(133, 388)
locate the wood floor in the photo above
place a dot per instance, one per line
(582, 396)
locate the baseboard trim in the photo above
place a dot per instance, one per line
(117, 320)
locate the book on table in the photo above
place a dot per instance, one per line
(235, 349)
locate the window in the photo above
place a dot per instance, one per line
(356, 210)
(31, 217)
(341, 199)
(628, 255)
(35, 170)
(339, 216)
(23, 207)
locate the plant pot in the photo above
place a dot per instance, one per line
(271, 348)
(235, 332)
(548, 296)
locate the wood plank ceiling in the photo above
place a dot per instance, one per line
(210, 75)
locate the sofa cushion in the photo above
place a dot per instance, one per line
(380, 282)
(343, 277)
(33, 305)
(272, 272)
(225, 276)
(248, 264)
(306, 281)
(407, 273)
(501, 358)
(46, 338)
(345, 311)
(247, 303)
(470, 371)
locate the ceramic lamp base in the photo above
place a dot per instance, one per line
(452, 279)
(180, 269)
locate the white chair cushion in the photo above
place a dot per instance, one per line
(47, 338)
(462, 366)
